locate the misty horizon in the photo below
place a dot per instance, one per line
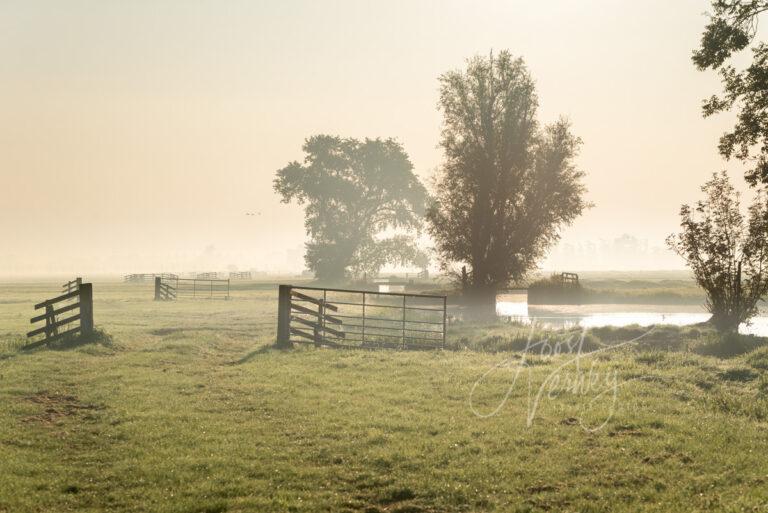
(624, 253)
(152, 132)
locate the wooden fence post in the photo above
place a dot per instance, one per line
(318, 330)
(86, 309)
(50, 322)
(284, 316)
(158, 282)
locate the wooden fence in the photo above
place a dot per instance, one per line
(569, 279)
(148, 277)
(360, 319)
(242, 275)
(71, 286)
(55, 328)
(164, 291)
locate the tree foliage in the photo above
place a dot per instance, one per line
(506, 185)
(732, 28)
(727, 252)
(352, 191)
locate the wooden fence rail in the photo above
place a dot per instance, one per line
(569, 279)
(71, 286)
(164, 291)
(362, 319)
(148, 277)
(55, 327)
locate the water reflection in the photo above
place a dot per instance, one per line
(516, 308)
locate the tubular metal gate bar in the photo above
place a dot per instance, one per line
(360, 318)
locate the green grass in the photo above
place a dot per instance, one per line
(604, 290)
(661, 291)
(185, 407)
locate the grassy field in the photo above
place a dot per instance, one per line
(642, 288)
(186, 407)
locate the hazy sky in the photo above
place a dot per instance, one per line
(134, 136)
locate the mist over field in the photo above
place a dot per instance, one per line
(152, 130)
(383, 256)
(624, 253)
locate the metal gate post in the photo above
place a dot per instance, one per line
(445, 304)
(403, 322)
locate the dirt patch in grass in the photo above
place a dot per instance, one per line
(541, 488)
(626, 430)
(56, 406)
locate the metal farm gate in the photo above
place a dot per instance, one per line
(360, 319)
(177, 288)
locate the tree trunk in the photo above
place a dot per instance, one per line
(728, 314)
(481, 304)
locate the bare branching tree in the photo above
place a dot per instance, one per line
(727, 252)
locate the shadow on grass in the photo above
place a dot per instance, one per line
(163, 332)
(97, 337)
(262, 350)
(729, 345)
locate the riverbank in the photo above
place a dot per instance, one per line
(604, 291)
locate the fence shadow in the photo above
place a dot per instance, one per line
(96, 337)
(262, 350)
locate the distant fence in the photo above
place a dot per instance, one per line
(569, 279)
(207, 276)
(71, 286)
(244, 275)
(55, 327)
(360, 319)
(148, 278)
(195, 288)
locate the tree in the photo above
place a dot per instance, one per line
(506, 185)
(374, 254)
(727, 253)
(732, 28)
(352, 192)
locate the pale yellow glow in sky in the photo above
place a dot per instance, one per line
(134, 136)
